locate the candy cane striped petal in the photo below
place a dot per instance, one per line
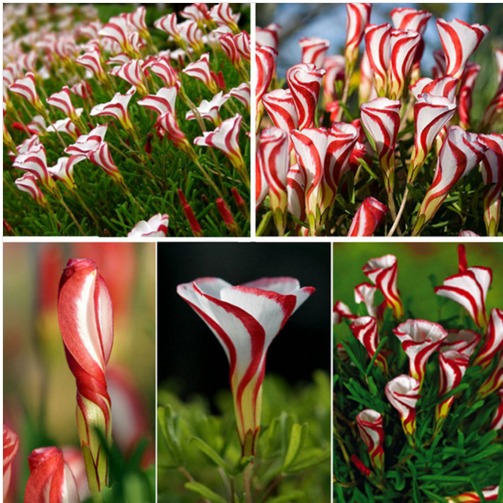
(369, 216)
(370, 426)
(280, 106)
(493, 342)
(403, 393)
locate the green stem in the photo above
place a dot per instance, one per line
(247, 484)
(400, 212)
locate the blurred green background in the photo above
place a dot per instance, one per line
(420, 267)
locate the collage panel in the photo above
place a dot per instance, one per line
(125, 120)
(79, 372)
(231, 426)
(418, 372)
(389, 126)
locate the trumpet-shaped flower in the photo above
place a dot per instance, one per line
(403, 394)
(469, 289)
(404, 45)
(268, 36)
(157, 226)
(381, 118)
(25, 87)
(63, 169)
(169, 24)
(86, 324)
(91, 60)
(461, 341)
(167, 124)
(132, 73)
(445, 87)
(358, 16)
(89, 142)
(10, 448)
(280, 106)
(163, 69)
(222, 15)
(226, 138)
(245, 319)
(51, 479)
(201, 70)
(407, 18)
(274, 152)
(365, 292)
(369, 216)
(493, 342)
(210, 109)
(241, 93)
(161, 102)
(377, 48)
(265, 62)
(431, 114)
(314, 50)
(365, 330)
(304, 81)
(191, 34)
(370, 426)
(35, 162)
(63, 102)
(341, 311)
(242, 41)
(419, 339)
(492, 176)
(116, 108)
(460, 41)
(101, 157)
(137, 20)
(28, 183)
(82, 89)
(460, 153)
(118, 29)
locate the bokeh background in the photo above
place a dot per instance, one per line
(328, 20)
(421, 266)
(38, 388)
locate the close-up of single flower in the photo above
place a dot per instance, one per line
(151, 82)
(423, 89)
(423, 389)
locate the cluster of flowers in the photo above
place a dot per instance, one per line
(86, 324)
(457, 349)
(93, 60)
(303, 167)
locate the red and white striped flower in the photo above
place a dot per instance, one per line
(459, 40)
(10, 448)
(364, 329)
(492, 176)
(304, 81)
(63, 169)
(51, 479)
(241, 93)
(63, 102)
(314, 50)
(377, 48)
(227, 42)
(403, 393)
(461, 341)
(92, 60)
(370, 426)
(197, 12)
(443, 86)
(28, 183)
(169, 24)
(493, 111)
(201, 70)
(116, 108)
(497, 421)
(226, 138)
(281, 109)
(167, 124)
(268, 36)
(452, 366)
(381, 118)
(35, 162)
(358, 16)
(466, 88)
(101, 157)
(407, 18)
(86, 323)
(296, 192)
(25, 87)
(365, 293)
(37, 125)
(431, 114)
(132, 72)
(419, 339)
(90, 30)
(383, 272)
(75, 460)
(66, 126)
(469, 289)
(489, 493)
(341, 311)
(242, 40)
(404, 45)
(163, 69)
(137, 20)
(210, 110)
(161, 102)
(369, 216)
(265, 62)
(222, 14)
(157, 226)
(460, 153)
(494, 381)
(89, 142)
(493, 342)
(274, 152)
(82, 89)
(191, 34)
(245, 319)
(118, 29)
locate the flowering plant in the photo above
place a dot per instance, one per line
(104, 122)
(435, 403)
(375, 146)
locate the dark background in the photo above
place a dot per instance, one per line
(190, 356)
